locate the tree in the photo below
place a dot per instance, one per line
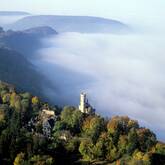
(35, 103)
(132, 141)
(72, 145)
(92, 127)
(122, 144)
(15, 102)
(99, 150)
(2, 115)
(141, 158)
(146, 138)
(72, 119)
(86, 149)
(6, 98)
(112, 153)
(121, 124)
(42, 160)
(35, 100)
(19, 160)
(159, 148)
(60, 125)
(114, 125)
(39, 143)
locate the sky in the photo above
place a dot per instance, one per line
(127, 10)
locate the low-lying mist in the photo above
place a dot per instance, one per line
(5, 20)
(122, 74)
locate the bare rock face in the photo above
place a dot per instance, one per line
(48, 118)
(47, 114)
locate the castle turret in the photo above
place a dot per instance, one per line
(84, 106)
(82, 102)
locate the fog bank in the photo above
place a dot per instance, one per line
(122, 74)
(5, 20)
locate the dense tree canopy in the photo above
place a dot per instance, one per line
(76, 138)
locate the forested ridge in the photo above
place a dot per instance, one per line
(74, 137)
(16, 47)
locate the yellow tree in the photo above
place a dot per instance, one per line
(19, 160)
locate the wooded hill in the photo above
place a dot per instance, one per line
(75, 138)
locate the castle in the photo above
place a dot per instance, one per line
(84, 106)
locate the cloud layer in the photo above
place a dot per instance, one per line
(4, 20)
(122, 74)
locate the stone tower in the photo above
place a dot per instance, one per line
(84, 106)
(82, 102)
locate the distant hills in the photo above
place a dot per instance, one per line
(13, 13)
(83, 24)
(24, 37)
(27, 41)
(16, 48)
(40, 31)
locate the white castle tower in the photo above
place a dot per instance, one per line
(82, 102)
(84, 106)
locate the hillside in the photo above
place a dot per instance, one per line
(83, 24)
(35, 133)
(24, 75)
(26, 42)
(16, 50)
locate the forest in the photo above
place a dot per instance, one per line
(32, 132)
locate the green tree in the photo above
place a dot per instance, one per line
(86, 149)
(41, 160)
(72, 145)
(92, 127)
(72, 119)
(132, 141)
(15, 101)
(159, 148)
(146, 139)
(123, 144)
